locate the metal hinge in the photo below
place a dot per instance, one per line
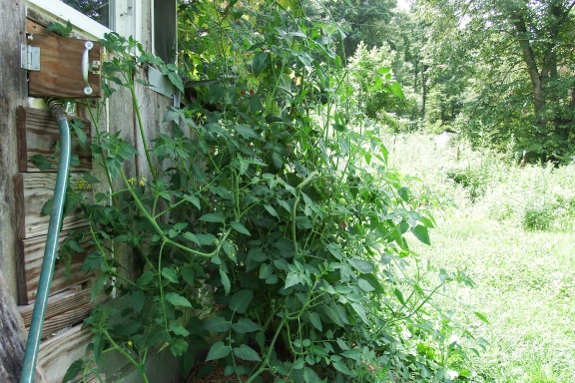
(29, 57)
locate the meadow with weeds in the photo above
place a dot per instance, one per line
(511, 231)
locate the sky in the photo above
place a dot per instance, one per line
(403, 4)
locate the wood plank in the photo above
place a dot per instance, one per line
(122, 119)
(13, 93)
(33, 254)
(67, 319)
(21, 137)
(38, 133)
(19, 205)
(33, 190)
(35, 28)
(57, 304)
(12, 337)
(148, 103)
(60, 72)
(83, 109)
(58, 353)
(153, 109)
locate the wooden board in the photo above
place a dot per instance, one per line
(58, 353)
(32, 191)
(148, 103)
(67, 319)
(35, 28)
(13, 93)
(38, 133)
(12, 338)
(60, 72)
(30, 265)
(122, 119)
(153, 108)
(57, 304)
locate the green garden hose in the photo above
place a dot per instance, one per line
(56, 216)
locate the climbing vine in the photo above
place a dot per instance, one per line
(270, 221)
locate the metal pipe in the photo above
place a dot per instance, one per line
(56, 216)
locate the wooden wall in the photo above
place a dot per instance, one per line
(13, 93)
(24, 189)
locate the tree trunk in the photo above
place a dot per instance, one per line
(529, 59)
(12, 339)
(423, 90)
(415, 76)
(536, 80)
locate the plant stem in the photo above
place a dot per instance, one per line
(159, 230)
(294, 210)
(109, 269)
(269, 353)
(108, 175)
(162, 286)
(126, 355)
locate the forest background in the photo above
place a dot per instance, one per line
(497, 72)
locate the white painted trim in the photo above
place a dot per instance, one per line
(64, 12)
(123, 14)
(153, 24)
(138, 20)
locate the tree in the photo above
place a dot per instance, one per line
(366, 20)
(522, 55)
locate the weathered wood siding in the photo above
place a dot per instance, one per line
(69, 298)
(24, 189)
(12, 339)
(13, 93)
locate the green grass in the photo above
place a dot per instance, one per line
(512, 232)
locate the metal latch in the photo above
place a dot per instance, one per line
(95, 67)
(29, 57)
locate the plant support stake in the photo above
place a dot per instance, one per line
(35, 332)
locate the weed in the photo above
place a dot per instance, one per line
(515, 242)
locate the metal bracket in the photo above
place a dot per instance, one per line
(29, 57)
(95, 67)
(160, 83)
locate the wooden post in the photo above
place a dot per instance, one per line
(457, 152)
(523, 160)
(12, 339)
(13, 93)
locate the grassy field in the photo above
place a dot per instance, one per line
(511, 230)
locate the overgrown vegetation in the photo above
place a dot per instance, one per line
(272, 201)
(514, 241)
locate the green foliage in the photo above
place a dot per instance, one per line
(471, 178)
(518, 81)
(524, 275)
(536, 197)
(269, 203)
(373, 82)
(538, 217)
(60, 29)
